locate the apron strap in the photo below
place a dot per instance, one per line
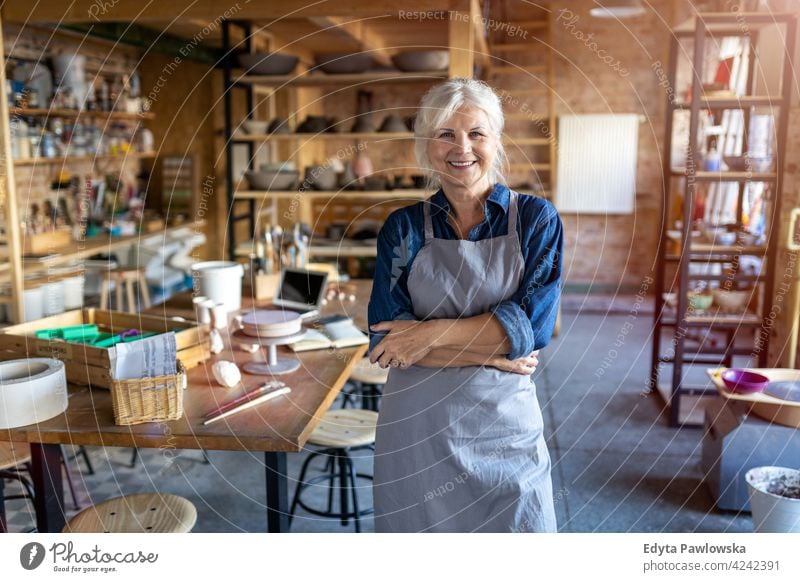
(428, 224)
(512, 212)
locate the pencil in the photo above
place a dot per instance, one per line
(249, 404)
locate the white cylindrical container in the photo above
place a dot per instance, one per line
(53, 297)
(73, 292)
(32, 390)
(70, 73)
(33, 303)
(774, 499)
(220, 281)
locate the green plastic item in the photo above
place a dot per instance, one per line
(72, 333)
(107, 342)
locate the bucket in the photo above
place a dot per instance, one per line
(33, 303)
(220, 281)
(73, 292)
(774, 499)
(53, 297)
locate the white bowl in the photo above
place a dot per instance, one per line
(255, 127)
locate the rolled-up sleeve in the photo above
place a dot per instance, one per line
(529, 315)
(390, 299)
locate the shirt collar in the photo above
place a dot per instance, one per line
(500, 196)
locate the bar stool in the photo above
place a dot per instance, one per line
(339, 432)
(141, 513)
(127, 278)
(15, 459)
(368, 380)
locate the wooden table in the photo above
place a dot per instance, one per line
(276, 428)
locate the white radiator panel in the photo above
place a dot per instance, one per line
(597, 163)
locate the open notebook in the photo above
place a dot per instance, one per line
(338, 334)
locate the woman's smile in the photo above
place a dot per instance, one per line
(462, 152)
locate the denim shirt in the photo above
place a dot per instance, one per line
(528, 316)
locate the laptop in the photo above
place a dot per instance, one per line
(302, 291)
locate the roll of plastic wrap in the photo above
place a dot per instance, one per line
(32, 390)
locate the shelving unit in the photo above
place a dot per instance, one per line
(680, 320)
(463, 36)
(13, 268)
(76, 159)
(532, 85)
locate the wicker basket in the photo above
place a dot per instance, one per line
(148, 399)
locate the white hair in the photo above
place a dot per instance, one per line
(440, 103)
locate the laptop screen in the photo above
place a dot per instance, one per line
(304, 287)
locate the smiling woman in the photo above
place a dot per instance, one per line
(465, 294)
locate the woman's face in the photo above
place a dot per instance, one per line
(463, 150)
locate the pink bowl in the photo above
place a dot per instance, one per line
(744, 382)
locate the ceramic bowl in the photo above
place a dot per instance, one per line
(343, 63)
(278, 125)
(743, 381)
(748, 163)
(271, 180)
(732, 301)
(253, 127)
(700, 301)
(419, 61)
(268, 63)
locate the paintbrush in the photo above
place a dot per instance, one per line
(245, 397)
(249, 404)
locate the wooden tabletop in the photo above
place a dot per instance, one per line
(283, 424)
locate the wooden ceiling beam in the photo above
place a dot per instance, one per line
(211, 10)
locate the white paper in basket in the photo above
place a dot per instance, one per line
(145, 358)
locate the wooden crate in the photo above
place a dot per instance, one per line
(87, 364)
(46, 242)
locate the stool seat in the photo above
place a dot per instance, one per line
(369, 373)
(13, 454)
(142, 513)
(345, 428)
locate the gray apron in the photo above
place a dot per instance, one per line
(462, 449)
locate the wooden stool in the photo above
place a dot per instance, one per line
(125, 278)
(14, 459)
(340, 432)
(142, 513)
(368, 379)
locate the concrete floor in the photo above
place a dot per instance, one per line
(617, 467)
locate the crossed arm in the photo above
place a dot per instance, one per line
(448, 343)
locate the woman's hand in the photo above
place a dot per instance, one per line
(406, 343)
(526, 365)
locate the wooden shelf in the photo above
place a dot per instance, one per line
(523, 141)
(333, 250)
(728, 176)
(722, 320)
(92, 246)
(732, 102)
(373, 136)
(75, 113)
(321, 79)
(543, 167)
(76, 159)
(397, 194)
